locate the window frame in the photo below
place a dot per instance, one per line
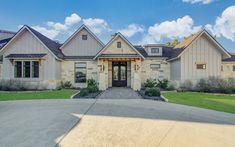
(86, 37)
(233, 68)
(203, 66)
(22, 69)
(75, 81)
(155, 68)
(155, 48)
(119, 44)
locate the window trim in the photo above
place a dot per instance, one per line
(233, 68)
(119, 43)
(203, 66)
(155, 69)
(86, 37)
(154, 48)
(22, 69)
(75, 71)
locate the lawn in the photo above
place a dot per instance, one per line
(225, 103)
(29, 95)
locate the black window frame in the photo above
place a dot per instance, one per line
(155, 48)
(119, 44)
(83, 78)
(35, 69)
(201, 66)
(84, 37)
(18, 69)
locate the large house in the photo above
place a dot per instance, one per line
(32, 57)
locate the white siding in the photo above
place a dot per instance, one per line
(175, 69)
(26, 43)
(202, 50)
(78, 47)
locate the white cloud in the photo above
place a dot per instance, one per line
(57, 26)
(225, 24)
(198, 1)
(179, 28)
(73, 19)
(132, 29)
(97, 25)
(51, 33)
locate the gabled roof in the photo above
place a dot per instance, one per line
(77, 31)
(51, 45)
(125, 40)
(181, 47)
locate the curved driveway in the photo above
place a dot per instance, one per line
(104, 122)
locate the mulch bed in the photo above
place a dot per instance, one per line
(89, 96)
(156, 98)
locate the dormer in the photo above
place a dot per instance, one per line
(154, 49)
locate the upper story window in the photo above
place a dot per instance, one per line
(154, 50)
(26, 69)
(84, 37)
(155, 66)
(80, 72)
(119, 44)
(201, 66)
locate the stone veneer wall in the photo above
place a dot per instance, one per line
(227, 71)
(147, 72)
(67, 71)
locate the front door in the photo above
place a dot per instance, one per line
(119, 74)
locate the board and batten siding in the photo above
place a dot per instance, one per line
(201, 50)
(78, 47)
(175, 70)
(28, 44)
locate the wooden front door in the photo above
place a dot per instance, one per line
(119, 74)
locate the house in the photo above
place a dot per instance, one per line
(32, 57)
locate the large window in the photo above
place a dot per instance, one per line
(155, 66)
(154, 50)
(80, 72)
(26, 69)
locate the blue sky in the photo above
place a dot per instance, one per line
(141, 21)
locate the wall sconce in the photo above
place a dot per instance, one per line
(101, 68)
(137, 67)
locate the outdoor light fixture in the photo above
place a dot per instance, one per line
(101, 68)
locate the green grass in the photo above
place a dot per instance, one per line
(30, 95)
(225, 103)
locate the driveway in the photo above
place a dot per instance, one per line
(112, 122)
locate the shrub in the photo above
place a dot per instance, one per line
(83, 92)
(153, 91)
(66, 84)
(91, 82)
(163, 83)
(92, 89)
(187, 85)
(150, 83)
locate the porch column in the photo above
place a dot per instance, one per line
(103, 74)
(136, 75)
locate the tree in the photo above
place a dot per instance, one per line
(173, 43)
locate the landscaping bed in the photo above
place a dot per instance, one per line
(157, 98)
(89, 95)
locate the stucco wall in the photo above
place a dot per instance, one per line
(148, 73)
(201, 50)
(67, 71)
(79, 47)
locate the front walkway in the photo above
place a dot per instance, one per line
(119, 93)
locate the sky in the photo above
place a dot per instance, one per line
(140, 21)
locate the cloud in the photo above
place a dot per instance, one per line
(73, 19)
(51, 33)
(198, 1)
(179, 28)
(132, 29)
(225, 24)
(97, 25)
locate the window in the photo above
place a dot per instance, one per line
(154, 50)
(84, 37)
(80, 72)
(18, 69)
(201, 66)
(35, 69)
(26, 69)
(222, 68)
(233, 67)
(119, 44)
(155, 66)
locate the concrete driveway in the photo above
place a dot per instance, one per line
(104, 122)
